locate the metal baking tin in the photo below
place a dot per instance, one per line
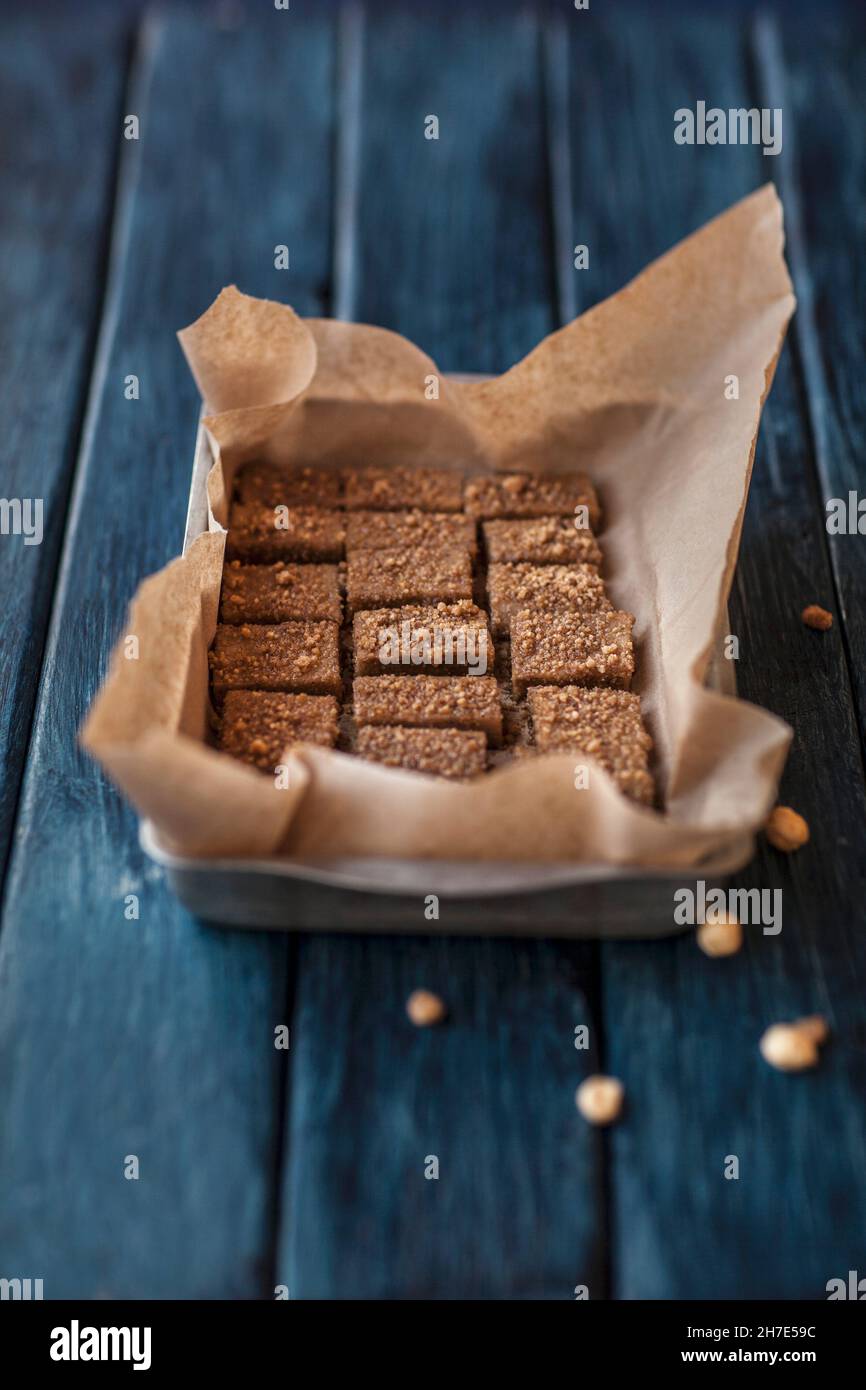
(390, 895)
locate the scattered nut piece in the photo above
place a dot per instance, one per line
(722, 937)
(817, 617)
(814, 1027)
(789, 1047)
(786, 829)
(424, 1008)
(599, 1099)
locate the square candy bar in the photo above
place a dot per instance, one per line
(545, 540)
(274, 484)
(453, 753)
(588, 647)
(396, 489)
(261, 534)
(258, 726)
(449, 637)
(277, 593)
(387, 578)
(285, 656)
(424, 530)
(542, 588)
(603, 724)
(491, 495)
(432, 702)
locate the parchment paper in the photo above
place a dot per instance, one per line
(636, 392)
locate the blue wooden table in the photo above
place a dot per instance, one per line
(154, 1037)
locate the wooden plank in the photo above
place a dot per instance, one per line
(518, 1207)
(682, 1031)
(52, 244)
(821, 175)
(153, 1037)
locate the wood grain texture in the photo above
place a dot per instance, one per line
(153, 1037)
(818, 73)
(55, 100)
(682, 1031)
(463, 268)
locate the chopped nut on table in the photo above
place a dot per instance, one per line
(599, 1099)
(793, 1046)
(722, 936)
(425, 1008)
(786, 829)
(817, 617)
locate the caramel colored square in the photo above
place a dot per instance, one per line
(514, 495)
(258, 726)
(545, 540)
(261, 534)
(414, 529)
(399, 489)
(587, 647)
(542, 589)
(454, 753)
(449, 637)
(391, 578)
(285, 656)
(601, 723)
(279, 593)
(432, 702)
(274, 484)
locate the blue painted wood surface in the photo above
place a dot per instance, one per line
(152, 1037)
(52, 248)
(155, 1037)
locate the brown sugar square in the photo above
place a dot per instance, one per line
(423, 530)
(544, 540)
(285, 656)
(454, 753)
(260, 534)
(432, 702)
(279, 593)
(449, 637)
(389, 578)
(587, 647)
(514, 495)
(258, 726)
(601, 723)
(398, 489)
(274, 484)
(542, 588)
